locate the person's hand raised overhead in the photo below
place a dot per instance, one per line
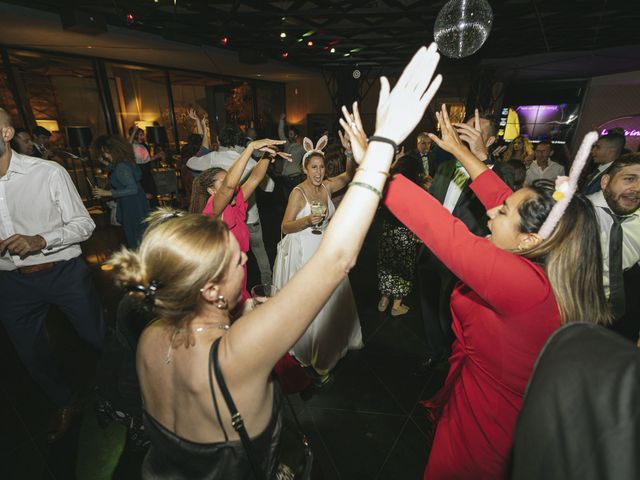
(400, 109)
(354, 132)
(450, 141)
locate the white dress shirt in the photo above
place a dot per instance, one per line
(534, 172)
(630, 236)
(224, 158)
(37, 197)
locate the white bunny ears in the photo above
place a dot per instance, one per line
(309, 148)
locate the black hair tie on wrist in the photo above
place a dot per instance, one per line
(384, 140)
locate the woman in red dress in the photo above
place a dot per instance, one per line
(516, 287)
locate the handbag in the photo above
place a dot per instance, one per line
(295, 455)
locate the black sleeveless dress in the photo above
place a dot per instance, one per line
(172, 457)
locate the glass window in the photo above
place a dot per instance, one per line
(60, 89)
(140, 97)
(270, 104)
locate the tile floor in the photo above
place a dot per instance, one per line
(366, 425)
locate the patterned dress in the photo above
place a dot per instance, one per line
(397, 250)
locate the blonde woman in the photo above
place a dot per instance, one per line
(521, 149)
(191, 270)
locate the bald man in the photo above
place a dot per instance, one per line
(42, 222)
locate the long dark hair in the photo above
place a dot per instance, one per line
(571, 256)
(199, 193)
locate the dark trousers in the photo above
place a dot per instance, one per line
(24, 304)
(435, 282)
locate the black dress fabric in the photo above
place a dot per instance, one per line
(581, 413)
(172, 457)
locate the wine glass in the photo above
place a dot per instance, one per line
(319, 209)
(263, 292)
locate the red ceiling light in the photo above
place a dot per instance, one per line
(224, 41)
(285, 54)
(130, 17)
(309, 43)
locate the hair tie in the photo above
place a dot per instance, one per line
(149, 292)
(566, 186)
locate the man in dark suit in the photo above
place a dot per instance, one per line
(425, 153)
(435, 282)
(607, 149)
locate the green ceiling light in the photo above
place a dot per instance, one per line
(308, 34)
(356, 50)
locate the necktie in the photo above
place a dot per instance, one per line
(616, 280)
(460, 178)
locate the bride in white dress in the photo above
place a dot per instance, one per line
(336, 328)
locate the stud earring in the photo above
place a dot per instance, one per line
(222, 303)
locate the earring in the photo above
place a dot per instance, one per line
(222, 302)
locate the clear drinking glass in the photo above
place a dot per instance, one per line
(320, 209)
(263, 292)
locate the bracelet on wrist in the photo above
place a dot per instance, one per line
(366, 186)
(376, 138)
(365, 170)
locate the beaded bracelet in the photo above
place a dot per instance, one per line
(367, 186)
(381, 172)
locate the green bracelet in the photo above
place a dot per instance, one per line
(367, 186)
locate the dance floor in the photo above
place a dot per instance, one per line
(366, 425)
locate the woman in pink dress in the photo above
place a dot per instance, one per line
(537, 269)
(217, 193)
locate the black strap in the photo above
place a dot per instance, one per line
(384, 140)
(236, 418)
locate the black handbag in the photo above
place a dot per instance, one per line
(295, 455)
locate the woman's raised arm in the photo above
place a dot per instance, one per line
(257, 340)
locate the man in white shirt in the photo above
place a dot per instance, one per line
(617, 208)
(607, 149)
(224, 158)
(42, 222)
(542, 166)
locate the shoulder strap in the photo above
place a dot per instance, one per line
(302, 192)
(213, 393)
(328, 192)
(236, 418)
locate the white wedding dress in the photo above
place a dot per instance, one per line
(336, 328)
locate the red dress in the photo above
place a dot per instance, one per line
(234, 216)
(503, 311)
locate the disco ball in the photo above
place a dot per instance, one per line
(462, 27)
(356, 74)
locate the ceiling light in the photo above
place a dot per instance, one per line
(224, 41)
(333, 50)
(310, 43)
(283, 35)
(309, 33)
(285, 54)
(347, 54)
(130, 17)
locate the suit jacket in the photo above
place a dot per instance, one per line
(594, 185)
(468, 208)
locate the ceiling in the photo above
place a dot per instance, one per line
(365, 32)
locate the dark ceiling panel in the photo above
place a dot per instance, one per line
(371, 26)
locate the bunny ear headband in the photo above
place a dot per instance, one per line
(308, 146)
(566, 186)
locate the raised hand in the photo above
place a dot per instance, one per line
(344, 140)
(272, 153)
(265, 142)
(400, 109)
(192, 114)
(473, 137)
(450, 141)
(354, 132)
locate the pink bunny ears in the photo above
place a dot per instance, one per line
(308, 146)
(566, 186)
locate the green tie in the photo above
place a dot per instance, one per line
(460, 178)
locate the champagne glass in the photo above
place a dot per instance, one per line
(263, 292)
(318, 209)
